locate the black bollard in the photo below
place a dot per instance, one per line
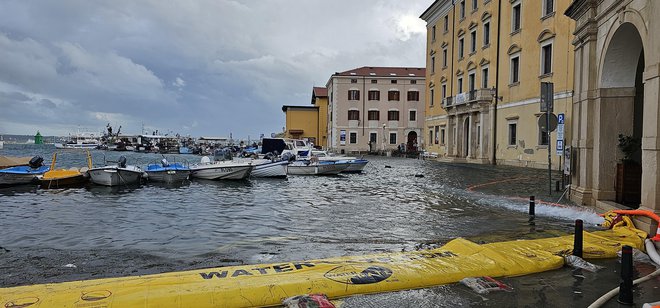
(531, 206)
(577, 239)
(625, 287)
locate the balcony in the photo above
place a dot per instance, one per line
(476, 95)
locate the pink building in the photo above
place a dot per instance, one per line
(376, 108)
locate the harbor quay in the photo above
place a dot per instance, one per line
(396, 205)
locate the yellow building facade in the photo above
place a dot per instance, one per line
(302, 122)
(486, 60)
(320, 100)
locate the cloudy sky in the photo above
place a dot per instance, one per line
(199, 67)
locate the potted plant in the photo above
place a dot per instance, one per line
(628, 183)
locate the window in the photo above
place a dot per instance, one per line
(374, 81)
(515, 69)
(484, 78)
(548, 7)
(543, 137)
(393, 115)
(546, 59)
(353, 115)
(352, 139)
(431, 96)
(460, 48)
(442, 136)
(430, 135)
(446, 23)
(444, 90)
(444, 57)
(515, 17)
(512, 133)
(436, 139)
(478, 134)
(433, 34)
(487, 33)
(393, 81)
(392, 138)
(353, 95)
(475, 6)
(373, 137)
(432, 65)
(473, 41)
(353, 80)
(413, 81)
(462, 9)
(374, 115)
(412, 116)
(374, 95)
(413, 96)
(460, 85)
(393, 95)
(471, 82)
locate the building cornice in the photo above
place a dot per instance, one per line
(438, 9)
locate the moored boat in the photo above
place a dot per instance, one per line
(356, 164)
(61, 178)
(23, 174)
(115, 175)
(168, 172)
(315, 167)
(221, 170)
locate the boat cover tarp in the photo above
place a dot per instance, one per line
(269, 284)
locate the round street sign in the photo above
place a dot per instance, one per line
(543, 122)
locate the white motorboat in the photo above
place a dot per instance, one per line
(356, 164)
(221, 170)
(119, 174)
(265, 168)
(316, 167)
(168, 172)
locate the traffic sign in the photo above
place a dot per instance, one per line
(543, 122)
(560, 118)
(560, 147)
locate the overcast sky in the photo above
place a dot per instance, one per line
(190, 67)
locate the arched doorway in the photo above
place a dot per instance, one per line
(466, 137)
(411, 145)
(621, 106)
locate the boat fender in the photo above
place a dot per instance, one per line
(36, 162)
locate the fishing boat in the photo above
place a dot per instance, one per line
(80, 141)
(316, 167)
(265, 168)
(118, 174)
(168, 172)
(221, 170)
(19, 175)
(61, 178)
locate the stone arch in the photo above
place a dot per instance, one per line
(618, 63)
(485, 16)
(471, 66)
(513, 49)
(545, 35)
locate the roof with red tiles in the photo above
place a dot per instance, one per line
(320, 92)
(375, 71)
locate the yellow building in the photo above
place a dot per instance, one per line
(302, 122)
(320, 100)
(486, 60)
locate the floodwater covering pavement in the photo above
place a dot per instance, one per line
(112, 232)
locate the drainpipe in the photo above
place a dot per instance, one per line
(451, 77)
(497, 84)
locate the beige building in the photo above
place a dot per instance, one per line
(376, 109)
(486, 60)
(617, 83)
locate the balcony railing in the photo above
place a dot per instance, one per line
(468, 97)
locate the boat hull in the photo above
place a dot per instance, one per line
(169, 176)
(114, 176)
(356, 166)
(316, 168)
(9, 179)
(88, 146)
(78, 180)
(221, 172)
(270, 169)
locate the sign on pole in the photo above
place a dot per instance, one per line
(560, 133)
(560, 147)
(543, 122)
(547, 96)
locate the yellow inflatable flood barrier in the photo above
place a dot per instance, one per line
(269, 284)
